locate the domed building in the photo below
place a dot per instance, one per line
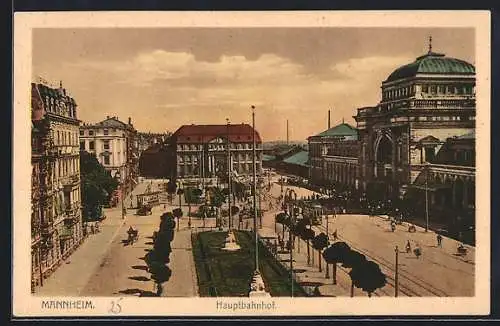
(427, 108)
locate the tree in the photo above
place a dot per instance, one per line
(308, 234)
(177, 212)
(368, 277)
(160, 273)
(97, 186)
(334, 254)
(319, 243)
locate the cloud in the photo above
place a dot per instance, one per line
(198, 91)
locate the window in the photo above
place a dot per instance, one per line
(106, 144)
(429, 154)
(82, 133)
(106, 132)
(433, 89)
(425, 89)
(106, 160)
(92, 145)
(441, 89)
(91, 132)
(82, 145)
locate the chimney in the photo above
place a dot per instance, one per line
(328, 119)
(129, 120)
(287, 133)
(107, 117)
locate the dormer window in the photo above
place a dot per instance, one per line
(106, 132)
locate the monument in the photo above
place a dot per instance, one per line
(257, 287)
(230, 244)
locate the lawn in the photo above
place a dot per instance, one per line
(223, 273)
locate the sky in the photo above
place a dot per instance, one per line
(166, 77)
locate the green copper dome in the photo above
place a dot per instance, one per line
(433, 63)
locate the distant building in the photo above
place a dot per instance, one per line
(334, 157)
(201, 150)
(56, 219)
(297, 163)
(153, 162)
(115, 145)
(146, 140)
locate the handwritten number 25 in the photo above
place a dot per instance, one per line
(116, 307)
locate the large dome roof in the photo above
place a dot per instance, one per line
(433, 63)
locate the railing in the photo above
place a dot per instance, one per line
(443, 103)
(71, 180)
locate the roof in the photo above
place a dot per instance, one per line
(267, 157)
(432, 63)
(238, 133)
(470, 135)
(299, 158)
(343, 129)
(112, 122)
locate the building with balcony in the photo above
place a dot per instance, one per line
(116, 147)
(334, 158)
(422, 132)
(200, 151)
(56, 219)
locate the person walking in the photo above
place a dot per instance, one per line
(439, 241)
(335, 235)
(417, 251)
(408, 247)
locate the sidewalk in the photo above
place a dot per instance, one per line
(183, 282)
(73, 275)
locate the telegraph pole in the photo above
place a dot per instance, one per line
(228, 177)
(255, 194)
(396, 285)
(426, 198)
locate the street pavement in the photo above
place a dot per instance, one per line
(105, 266)
(72, 276)
(438, 272)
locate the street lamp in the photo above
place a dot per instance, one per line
(291, 211)
(255, 193)
(426, 197)
(229, 168)
(396, 285)
(118, 178)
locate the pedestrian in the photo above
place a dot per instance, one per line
(335, 235)
(417, 251)
(440, 241)
(92, 228)
(408, 247)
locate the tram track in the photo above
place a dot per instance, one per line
(429, 289)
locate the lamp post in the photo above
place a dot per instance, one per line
(229, 168)
(426, 197)
(396, 250)
(327, 272)
(291, 212)
(255, 193)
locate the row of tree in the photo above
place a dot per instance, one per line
(158, 258)
(364, 274)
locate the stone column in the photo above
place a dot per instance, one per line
(453, 194)
(466, 194)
